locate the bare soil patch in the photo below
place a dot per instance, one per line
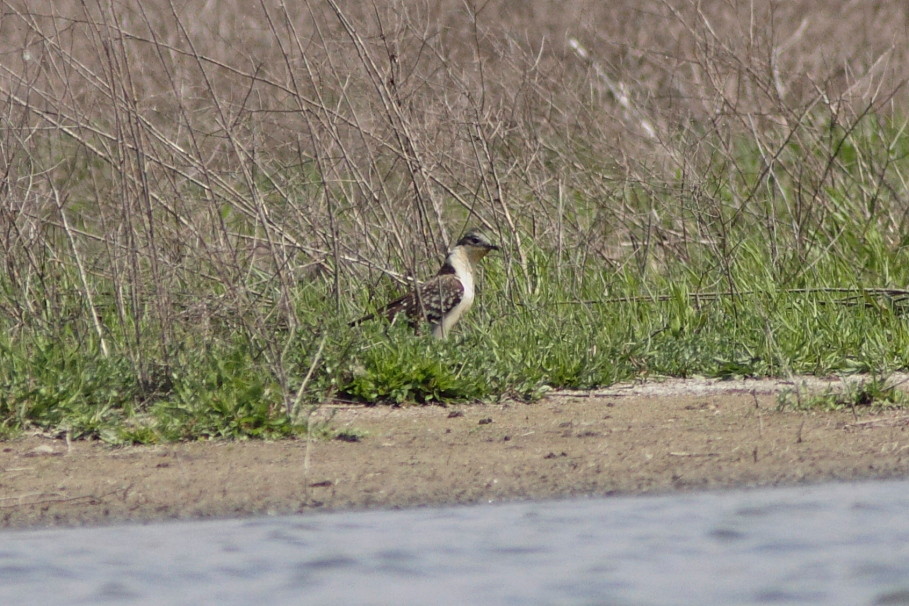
(677, 435)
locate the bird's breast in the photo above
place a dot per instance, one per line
(452, 317)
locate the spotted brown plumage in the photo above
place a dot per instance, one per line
(443, 299)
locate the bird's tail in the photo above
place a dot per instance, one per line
(359, 321)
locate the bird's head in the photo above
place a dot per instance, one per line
(476, 244)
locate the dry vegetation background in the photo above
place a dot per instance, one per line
(167, 163)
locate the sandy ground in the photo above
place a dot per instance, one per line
(630, 439)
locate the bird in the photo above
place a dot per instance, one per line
(444, 298)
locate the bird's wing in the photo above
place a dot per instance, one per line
(432, 300)
(438, 296)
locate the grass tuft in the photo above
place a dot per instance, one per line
(877, 392)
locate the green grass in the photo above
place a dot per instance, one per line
(748, 294)
(61, 387)
(516, 342)
(875, 392)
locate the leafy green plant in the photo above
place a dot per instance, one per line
(409, 369)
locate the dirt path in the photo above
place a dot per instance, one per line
(678, 435)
